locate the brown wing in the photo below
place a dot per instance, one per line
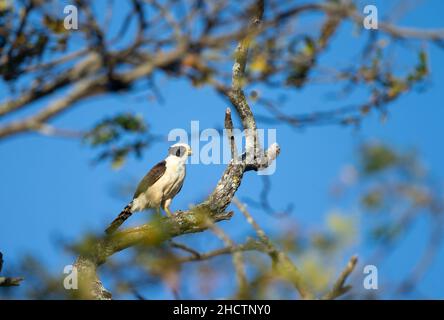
(150, 178)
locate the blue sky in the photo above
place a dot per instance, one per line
(49, 188)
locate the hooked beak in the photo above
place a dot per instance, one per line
(190, 152)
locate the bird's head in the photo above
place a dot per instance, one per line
(181, 150)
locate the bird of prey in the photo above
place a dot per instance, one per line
(159, 186)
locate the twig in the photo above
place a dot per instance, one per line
(10, 282)
(338, 288)
(230, 135)
(248, 246)
(7, 281)
(281, 262)
(183, 247)
(243, 209)
(238, 260)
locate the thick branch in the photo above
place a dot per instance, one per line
(148, 234)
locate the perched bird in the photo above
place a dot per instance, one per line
(159, 186)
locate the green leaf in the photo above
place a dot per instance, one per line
(378, 157)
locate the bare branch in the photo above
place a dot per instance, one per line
(338, 288)
(10, 282)
(185, 248)
(238, 260)
(230, 135)
(7, 281)
(281, 262)
(250, 245)
(83, 89)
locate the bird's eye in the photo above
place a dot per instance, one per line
(180, 151)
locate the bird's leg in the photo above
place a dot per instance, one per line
(158, 213)
(168, 212)
(166, 207)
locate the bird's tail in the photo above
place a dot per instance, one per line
(125, 214)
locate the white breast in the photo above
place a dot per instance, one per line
(173, 177)
(165, 188)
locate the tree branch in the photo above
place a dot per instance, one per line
(250, 245)
(83, 89)
(281, 262)
(238, 260)
(10, 282)
(338, 288)
(7, 281)
(193, 220)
